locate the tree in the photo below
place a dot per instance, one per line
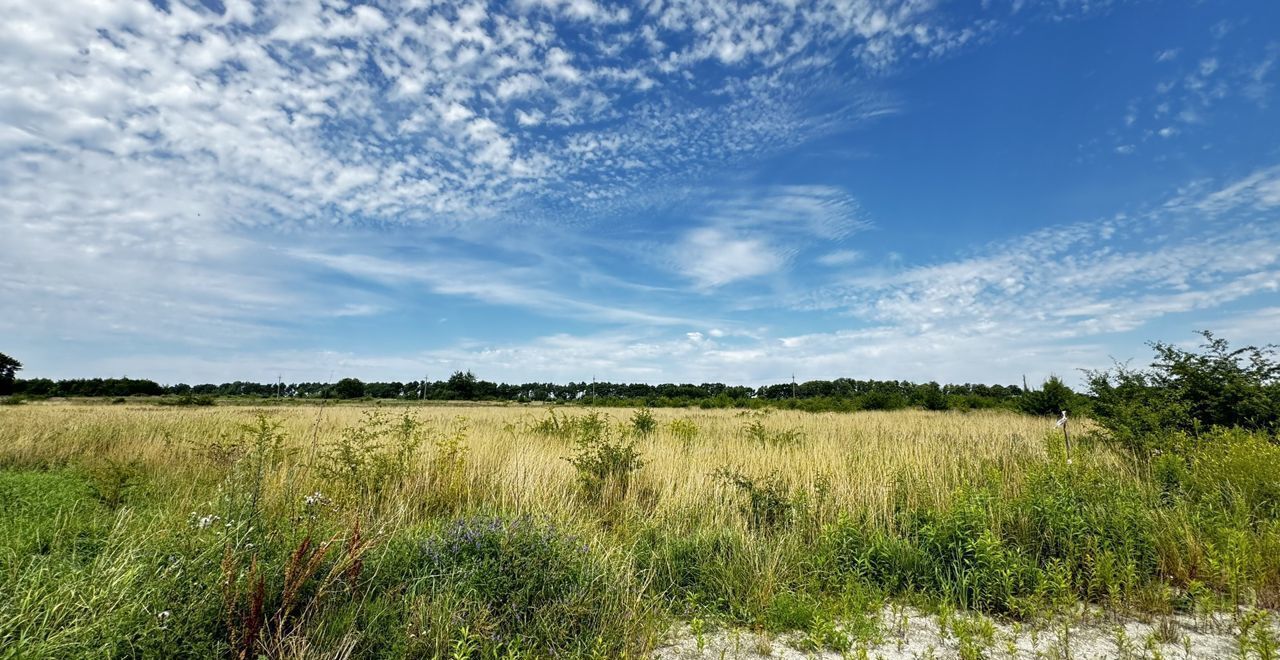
(349, 388)
(931, 397)
(1051, 399)
(9, 369)
(1188, 391)
(462, 385)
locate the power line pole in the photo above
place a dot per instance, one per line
(793, 384)
(593, 390)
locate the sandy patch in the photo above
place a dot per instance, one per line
(908, 633)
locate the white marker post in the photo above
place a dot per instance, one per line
(1066, 438)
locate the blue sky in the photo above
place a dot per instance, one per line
(675, 190)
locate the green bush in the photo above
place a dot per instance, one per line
(1097, 525)
(757, 432)
(643, 422)
(767, 502)
(702, 572)
(685, 431)
(513, 584)
(1189, 392)
(371, 457)
(1072, 530)
(1236, 473)
(605, 465)
(1051, 399)
(590, 426)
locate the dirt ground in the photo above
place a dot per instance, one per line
(1089, 634)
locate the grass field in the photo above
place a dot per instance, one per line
(138, 530)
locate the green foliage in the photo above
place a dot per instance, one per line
(701, 572)
(1189, 392)
(1051, 399)
(1073, 531)
(1231, 472)
(462, 386)
(589, 427)
(115, 481)
(605, 465)
(757, 432)
(187, 399)
(514, 584)
(371, 457)
(930, 397)
(643, 422)
(49, 514)
(349, 388)
(1097, 526)
(768, 502)
(684, 431)
(9, 369)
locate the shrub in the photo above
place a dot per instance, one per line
(1072, 530)
(643, 422)
(1189, 392)
(605, 465)
(704, 571)
(1236, 473)
(685, 431)
(768, 503)
(114, 481)
(590, 426)
(1098, 525)
(1051, 399)
(372, 456)
(756, 431)
(517, 583)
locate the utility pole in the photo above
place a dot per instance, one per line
(793, 385)
(422, 390)
(593, 390)
(279, 386)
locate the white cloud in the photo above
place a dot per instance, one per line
(713, 257)
(152, 159)
(1198, 251)
(840, 258)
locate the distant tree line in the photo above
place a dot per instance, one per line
(817, 395)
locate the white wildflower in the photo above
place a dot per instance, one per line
(315, 499)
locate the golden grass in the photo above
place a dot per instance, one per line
(864, 457)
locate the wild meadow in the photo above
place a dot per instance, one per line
(138, 530)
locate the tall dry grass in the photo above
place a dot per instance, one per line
(864, 460)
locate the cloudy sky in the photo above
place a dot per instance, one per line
(674, 190)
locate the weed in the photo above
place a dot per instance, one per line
(643, 422)
(756, 431)
(768, 502)
(371, 457)
(685, 432)
(115, 480)
(605, 466)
